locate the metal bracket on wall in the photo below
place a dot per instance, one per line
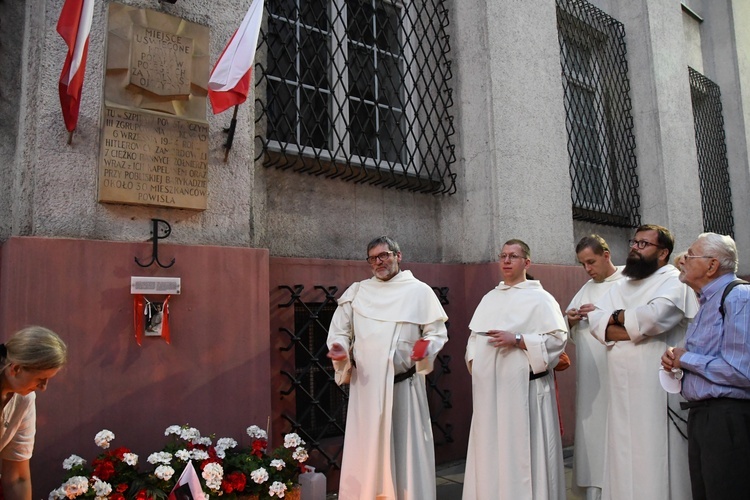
(155, 238)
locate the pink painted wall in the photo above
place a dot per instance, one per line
(215, 375)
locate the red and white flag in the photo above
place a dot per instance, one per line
(188, 487)
(229, 82)
(74, 26)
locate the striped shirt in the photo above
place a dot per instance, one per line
(717, 361)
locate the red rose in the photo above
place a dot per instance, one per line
(116, 496)
(142, 495)
(121, 488)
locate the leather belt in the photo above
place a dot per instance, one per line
(705, 403)
(403, 376)
(534, 376)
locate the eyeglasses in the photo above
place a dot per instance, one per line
(641, 244)
(511, 256)
(686, 257)
(382, 257)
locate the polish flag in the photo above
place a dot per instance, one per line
(188, 487)
(229, 83)
(74, 26)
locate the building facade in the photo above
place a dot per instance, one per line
(450, 126)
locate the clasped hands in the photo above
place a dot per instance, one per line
(582, 313)
(671, 358)
(502, 338)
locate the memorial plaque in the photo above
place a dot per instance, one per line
(154, 134)
(160, 62)
(147, 159)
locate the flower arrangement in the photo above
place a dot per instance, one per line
(224, 468)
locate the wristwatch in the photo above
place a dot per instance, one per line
(616, 317)
(518, 340)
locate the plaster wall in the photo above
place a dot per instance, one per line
(726, 51)
(512, 137)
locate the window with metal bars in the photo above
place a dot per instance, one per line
(601, 144)
(713, 167)
(321, 405)
(358, 89)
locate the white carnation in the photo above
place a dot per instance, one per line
(277, 464)
(277, 488)
(292, 440)
(213, 473)
(101, 488)
(300, 454)
(72, 461)
(183, 455)
(256, 432)
(103, 438)
(190, 434)
(259, 476)
(164, 472)
(130, 458)
(198, 455)
(75, 486)
(173, 429)
(160, 457)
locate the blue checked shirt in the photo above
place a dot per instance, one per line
(717, 361)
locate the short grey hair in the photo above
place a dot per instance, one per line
(722, 248)
(384, 240)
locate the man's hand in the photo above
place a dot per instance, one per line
(501, 338)
(582, 313)
(337, 352)
(671, 358)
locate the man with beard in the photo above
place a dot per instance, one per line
(591, 366)
(387, 332)
(646, 452)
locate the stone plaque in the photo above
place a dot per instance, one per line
(147, 159)
(154, 134)
(160, 62)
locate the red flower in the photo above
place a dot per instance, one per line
(119, 453)
(116, 496)
(121, 488)
(142, 495)
(259, 446)
(234, 481)
(103, 469)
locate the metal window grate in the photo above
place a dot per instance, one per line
(601, 144)
(713, 167)
(357, 90)
(320, 403)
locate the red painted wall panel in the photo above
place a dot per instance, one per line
(215, 374)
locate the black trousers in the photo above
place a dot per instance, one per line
(719, 448)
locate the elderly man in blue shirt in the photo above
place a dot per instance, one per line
(715, 364)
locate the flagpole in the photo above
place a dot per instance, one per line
(230, 133)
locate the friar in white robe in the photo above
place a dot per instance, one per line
(517, 336)
(591, 368)
(646, 453)
(388, 446)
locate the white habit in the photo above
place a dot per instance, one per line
(591, 390)
(388, 446)
(515, 451)
(646, 457)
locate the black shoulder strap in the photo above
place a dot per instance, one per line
(728, 289)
